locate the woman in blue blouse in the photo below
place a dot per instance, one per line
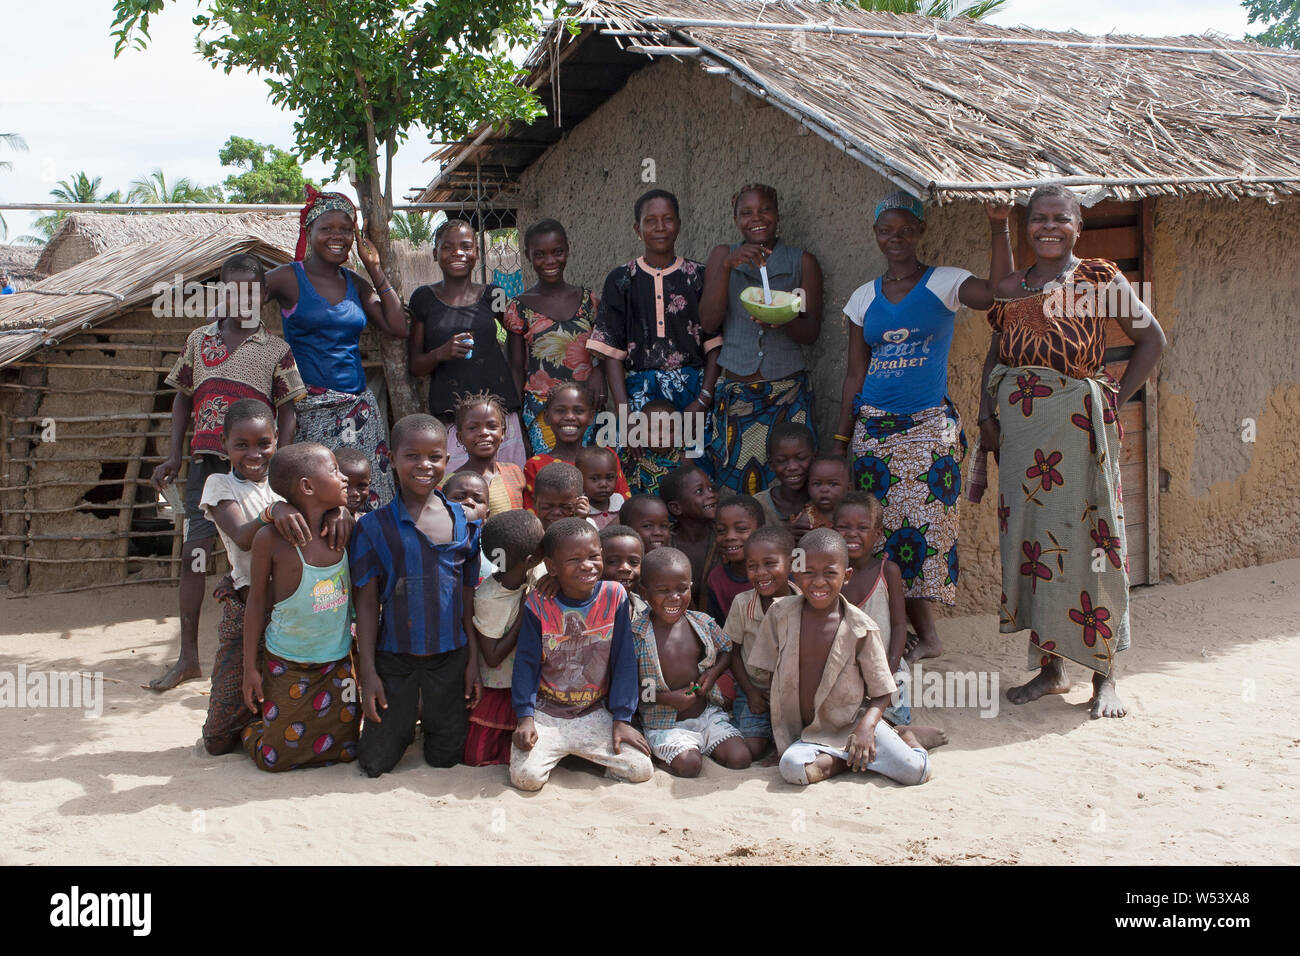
(906, 435)
(325, 308)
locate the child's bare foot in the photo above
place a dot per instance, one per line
(1105, 698)
(771, 760)
(927, 738)
(923, 649)
(1050, 680)
(184, 669)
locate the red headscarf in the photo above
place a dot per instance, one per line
(319, 203)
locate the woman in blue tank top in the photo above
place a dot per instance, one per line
(326, 307)
(764, 376)
(906, 439)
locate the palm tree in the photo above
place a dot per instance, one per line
(154, 189)
(79, 188)
(19, 145)
(416, 228)
(940, 9)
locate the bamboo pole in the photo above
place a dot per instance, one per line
(99, 587)
(77, 419)
(67, 484)
(106, 435)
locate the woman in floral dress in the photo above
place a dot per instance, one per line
(544, 349)
(1050, 412)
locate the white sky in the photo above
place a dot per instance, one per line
(78, 108)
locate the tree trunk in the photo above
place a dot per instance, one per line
(403, 391)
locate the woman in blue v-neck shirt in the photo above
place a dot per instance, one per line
(906, 435)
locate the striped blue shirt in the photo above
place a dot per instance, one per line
(421, 584)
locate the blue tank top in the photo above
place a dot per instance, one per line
(326, 339)
(313, 625)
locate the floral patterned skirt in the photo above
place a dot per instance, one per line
(912, 463)
(1060, 516)
(335, 419)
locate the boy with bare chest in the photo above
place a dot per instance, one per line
(831, 679)
(680, 656)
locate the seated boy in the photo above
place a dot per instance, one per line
(305, 688)
(599, 467)
(831, 680)
(417, 558)
(356, 469)
(575, 681)
(622, 551)
(767, 565)
(680, 656)
(513, 541)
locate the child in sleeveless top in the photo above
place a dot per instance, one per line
(877, 588)
(305, 689)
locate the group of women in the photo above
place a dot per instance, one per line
(667, 328)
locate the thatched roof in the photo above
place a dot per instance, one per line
(948, 109)
(96, 232)
(19, 264)
(94, 291)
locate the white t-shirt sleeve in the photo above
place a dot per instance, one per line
(945, 282)
(859, 302)
(216, 490)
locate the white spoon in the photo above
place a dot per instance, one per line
(767, 289)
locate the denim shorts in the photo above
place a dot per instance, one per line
(202, 467)
(747, 722)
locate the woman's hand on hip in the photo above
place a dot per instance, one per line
(991, 434)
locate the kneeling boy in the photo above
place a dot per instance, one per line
(831, 681)
(681, 654)
(574, 659)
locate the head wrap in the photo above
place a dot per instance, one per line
(901, 200)
(319, 203)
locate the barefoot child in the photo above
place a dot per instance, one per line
(830, 677)
(622, 551)
(417, 558)
(767, 565)
(681, 654)
(481, 419)
(790, 454)
(305, 689)
(693, 503)
(575, 681)
(739, 516)
(230, 358)
(648, 516)
(568, 412)
(599, 467)
(236, 503)
(356, 469)
(514, 542)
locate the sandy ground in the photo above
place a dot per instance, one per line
(1204, 769)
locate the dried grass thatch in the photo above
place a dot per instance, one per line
(94, 291)
(85, 234)
(19, 264)
(957, 109)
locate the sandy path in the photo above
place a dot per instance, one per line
(1203, 770)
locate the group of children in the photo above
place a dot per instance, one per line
(600, 621)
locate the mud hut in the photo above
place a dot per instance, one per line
(1186, 152)
(84, 414)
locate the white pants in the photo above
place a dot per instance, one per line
(590, 737)
(894, 759)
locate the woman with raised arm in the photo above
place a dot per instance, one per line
(895, 413)
(325, 308)
(1050, 414)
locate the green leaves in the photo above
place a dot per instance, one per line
(271, 175)
(1285, 32)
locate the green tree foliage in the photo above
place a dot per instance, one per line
(19, 145)
(360, 74)
(1283, 19)
(78, 188)
(940, 9)
(270, 175)
(154, 188)
(415, 227)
